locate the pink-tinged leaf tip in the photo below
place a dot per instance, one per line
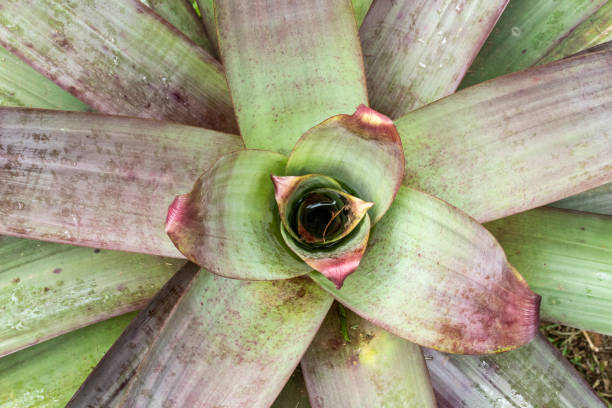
(177, 213)
(338, 268)
(284, 186)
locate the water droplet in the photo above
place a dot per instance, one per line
(483, 364)
(422, 65)
(444, 40)
(516, 31)
(19, 205)
(421, 40)
(115, 60)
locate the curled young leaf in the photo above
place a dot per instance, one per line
(362, 151)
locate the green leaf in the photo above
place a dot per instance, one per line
(47, 374)
(94, 180)
(566, 257)
(436, 277)
(596, 29)
(533, 376)
(597, 200)
(100, 57)
(418, 51)
(294, 394)
(516, 142)
(20, 85)
(374, 369)
(289, 66)
(526, 32)
(228, 223)
(360, 8)
(49, 289)
(362, 151)
(107, 383)
(182, 15)
(240, 352)
(207, 10)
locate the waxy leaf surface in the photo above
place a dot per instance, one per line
(597, 200)
(98, 54)
(22, 86)
(49, 289)
(229, 223)
(182, 15)
(595, 30)
(516, 142)
(289, 66)
(418, 51)
(47, 374)
(527, 31)
(534, 376)
(372, 369)
(106, 385)
(362, 151)
(95, 180)
(230, 343)
(436, 277)
(566, 257)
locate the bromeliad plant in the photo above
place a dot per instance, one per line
(307, 185)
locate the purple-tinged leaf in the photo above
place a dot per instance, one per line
(351, 363)
(516, 142)
(107, 383)
(100, 56)
(533, 376)
(436, 277)
(47, 374)
(338, 261)
(526, 31)
(182, 15)
(362, 151)
(289, 66)
(597, 200)
(49, 289)
(95, 180)
(239, 352)
(418, 51)
(596, 29)
(228, 223)
(566, 257)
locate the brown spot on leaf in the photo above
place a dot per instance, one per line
(57, 270)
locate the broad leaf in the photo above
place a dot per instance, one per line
(360, 8)
(108, 382)
(100, 57)
(294, 394)
(418, 51)
(597, 200)
(516, 142)
(436, 277)
(228, 223)
(21, 85)
(47, 374)
(49, 289)
(362, 151)
(182, 15)
(533, 376)
(207, 10)
(352, 363)
(240, 352)
(95, 180)
(527, 31)
(566, 257)
(594, 30)
(289, 66)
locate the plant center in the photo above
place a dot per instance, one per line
(321, 216)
